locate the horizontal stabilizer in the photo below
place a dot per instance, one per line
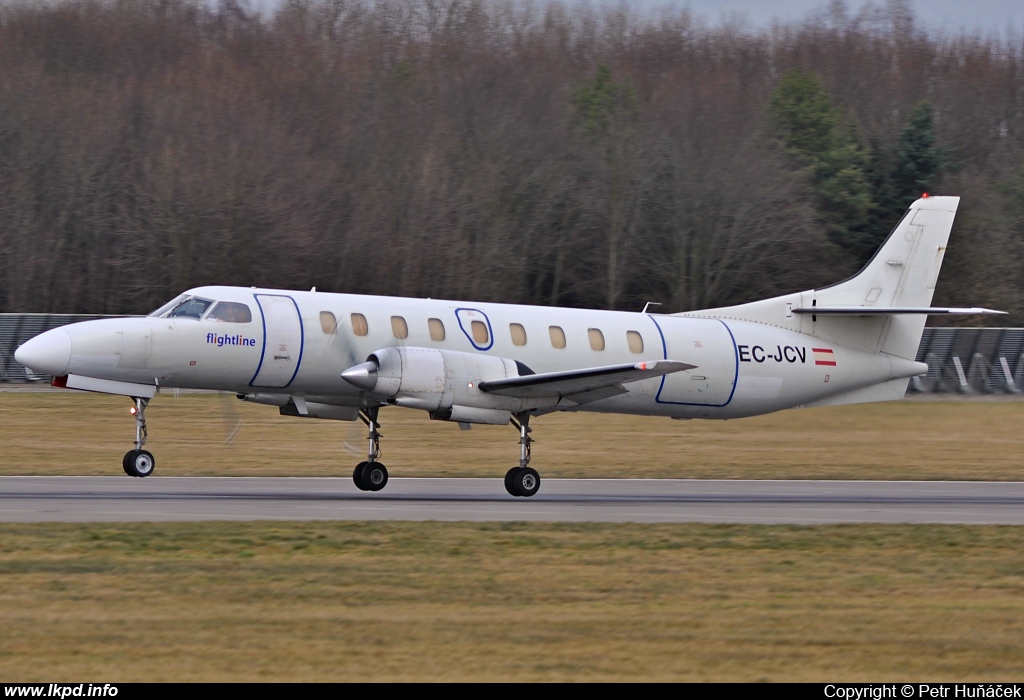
(890, 310)
(578, 381)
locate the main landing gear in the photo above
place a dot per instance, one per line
(523, 480)
(139, 462)
(371, 475)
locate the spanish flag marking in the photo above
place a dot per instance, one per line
(824, 356)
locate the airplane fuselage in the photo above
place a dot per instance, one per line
(298, 343)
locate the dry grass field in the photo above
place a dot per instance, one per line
(79, 433)
(366, 601)
(467, 601)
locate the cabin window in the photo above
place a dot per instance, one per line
(480, 334)
(636, 342)
(359, 326)
(596, 339)
(436, 326)
(399, 327)
(230, 312)
(328, 322)
(518, 334)
(557, 337)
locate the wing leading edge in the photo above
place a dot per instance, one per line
(886, 310)
(591, 383)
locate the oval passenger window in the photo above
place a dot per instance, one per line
(399, 327)
(328, 322)
(480, 334)
(557, 337)
(436, 326)
(518, 334)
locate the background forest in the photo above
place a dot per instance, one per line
(533, 152)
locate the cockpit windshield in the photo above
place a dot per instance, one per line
(183, 307)
(168, 306)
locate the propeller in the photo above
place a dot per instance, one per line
(354, 441)
(231, 419)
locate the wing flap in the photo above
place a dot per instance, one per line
(580, 381)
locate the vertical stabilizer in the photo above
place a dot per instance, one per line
(902, 273)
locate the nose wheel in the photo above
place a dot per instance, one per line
(139, 462)
(523, 480)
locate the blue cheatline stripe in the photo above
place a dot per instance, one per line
(302, 338)
(736, 361)
(490, 330)
(736, 374)
(263, 352)
(302, 341)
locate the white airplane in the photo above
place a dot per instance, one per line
(344, 357)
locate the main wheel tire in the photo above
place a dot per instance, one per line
(510, 482)
(141, 463)
(125, 462)
(357, 476)
(526, 481)
(375, 476)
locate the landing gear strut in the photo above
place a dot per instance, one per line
(139, 462)
(371, 475)
(523, 480)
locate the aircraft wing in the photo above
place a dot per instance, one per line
(596, 382)
(884, 310)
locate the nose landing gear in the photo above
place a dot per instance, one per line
(139, 462)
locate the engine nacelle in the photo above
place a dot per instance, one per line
(442, 382)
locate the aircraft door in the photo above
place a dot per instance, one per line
(707, 343)
(282, 341)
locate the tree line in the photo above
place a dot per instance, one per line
(531, 152)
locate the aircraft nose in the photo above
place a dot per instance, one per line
(47, 353)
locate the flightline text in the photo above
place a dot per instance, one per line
(222, 340)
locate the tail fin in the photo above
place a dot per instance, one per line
(902, 274)
(883, 308)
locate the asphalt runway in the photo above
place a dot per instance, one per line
(124, 499)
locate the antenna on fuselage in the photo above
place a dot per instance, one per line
(650, 303)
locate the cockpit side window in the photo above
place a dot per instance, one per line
(230, 312)
(192, 307)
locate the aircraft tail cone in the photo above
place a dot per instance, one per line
(362, 376)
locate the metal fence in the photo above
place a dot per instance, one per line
(15, 329)
(972, 360)
(963, 360)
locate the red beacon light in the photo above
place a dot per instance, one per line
(924, 196)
